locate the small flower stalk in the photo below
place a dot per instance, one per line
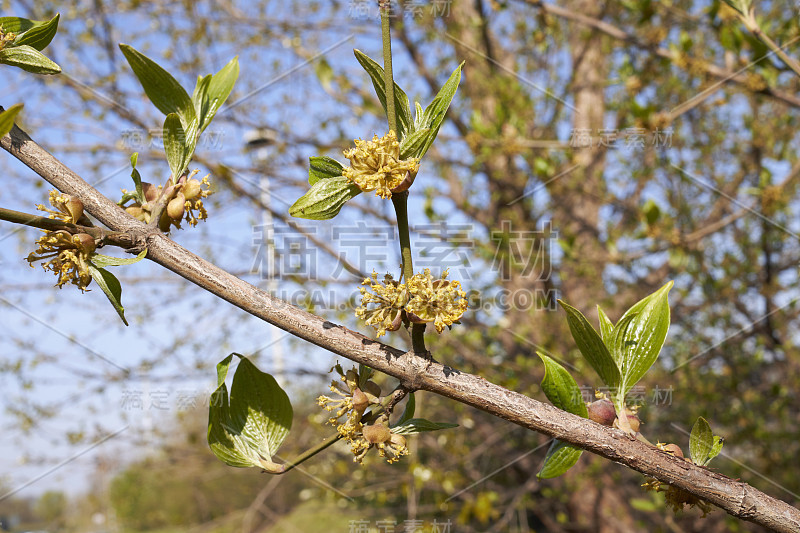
(384, 306)
(347, 410)
(65, 254)
(376, 166)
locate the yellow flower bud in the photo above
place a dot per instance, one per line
(191, 189)
(136, 212)
(176, 206)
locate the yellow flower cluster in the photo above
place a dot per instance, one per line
(390, 297)
(376, 165)
(351, 403)
(421, 300)
(67, 254)
(439, 301)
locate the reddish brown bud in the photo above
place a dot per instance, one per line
(84, 242)
(150, 191)
(602, 412)
(674, 449)
(75, 207)
(634, 422)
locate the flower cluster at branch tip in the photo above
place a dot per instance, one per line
(351, 403)
(423, 299)
(186, 202)
(67, 254)
(376, 166)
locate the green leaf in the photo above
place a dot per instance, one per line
(200, 97)
(561, 389)
(701, 442)
(592, 347)
(419, 425)
(434, 114)
(102, 261)
(606, 326)
(7, 118)
(639, 335)
(715, 449)
(560, 458)
(219, 88)
(742, 6)
(28, 59)
(408, 412)
(413, 144)
(137, 178)
(322, 167)
(18, 24)
(111, 288)
(160, 87)
(418, 112)
(325, 198)
(364, 373)
(39, 35)
(402, 111)
(175, 145)
(246, 428)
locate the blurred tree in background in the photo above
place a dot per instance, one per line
(594, 151)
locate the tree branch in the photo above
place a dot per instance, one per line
(114, 238)
(414, 372)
